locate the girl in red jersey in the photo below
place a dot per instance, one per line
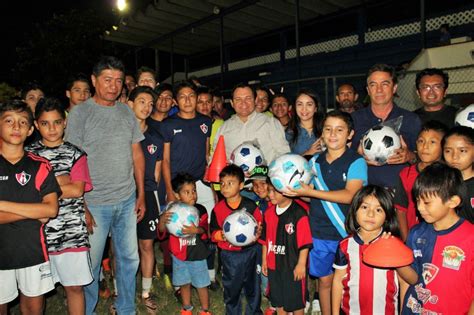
(358, 288)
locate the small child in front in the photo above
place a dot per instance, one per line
(189, 254)
(239, 264)
(358, 288)
(286, 239)
(441, 277)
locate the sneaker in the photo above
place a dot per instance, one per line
(150, 304)
(167, 280)
(306, 307)
(270, 311)
(177, 295)
(186, 312)
(205, 313)
(214, 286)
(315, 307)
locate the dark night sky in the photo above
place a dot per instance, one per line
(18, 19)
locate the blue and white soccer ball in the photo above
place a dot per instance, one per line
(240, 228)
(247, 156)
(289, 170)
(379, 143)
(466, 117)
(183, 214)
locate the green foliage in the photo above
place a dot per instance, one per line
(6, 92)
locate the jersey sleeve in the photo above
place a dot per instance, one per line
(214, 225)
(46, 181)
(80, 173)
(203, 221)
(340, 261)
(400, 199)
(137, 134)
(304, 239)
(358, 170)
(166, 132)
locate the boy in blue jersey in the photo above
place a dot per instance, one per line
(141, 101)
(186, 148)
(339, 173)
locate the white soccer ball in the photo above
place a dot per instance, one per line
(240, 228)
(247, 156)
(289, 170)
(183, 214)
(379, 143)
(466, 117)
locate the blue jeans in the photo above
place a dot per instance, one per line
(120, 219)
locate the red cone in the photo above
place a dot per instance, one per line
(219, 161)
(388, 253)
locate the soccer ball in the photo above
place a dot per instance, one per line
(379, 143)
(289, 170)
(246, 156)
(183, 214)
(240, 228)
(466, 117)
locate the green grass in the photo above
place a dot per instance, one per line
(167, 303)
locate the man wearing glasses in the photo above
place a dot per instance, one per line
(431, 87)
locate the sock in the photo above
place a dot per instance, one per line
(146, 287)
(188, 307)
(212, 274)
(115, 287)
(316, 296)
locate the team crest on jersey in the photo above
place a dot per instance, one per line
(204, 128)
(452, 257)
(151, 148)
(429, 272)
(23, 178)
(290, 228)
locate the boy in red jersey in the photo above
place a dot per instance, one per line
(28, 197)
(239, 264)
(286, 239)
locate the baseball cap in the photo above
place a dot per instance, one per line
(259, 173)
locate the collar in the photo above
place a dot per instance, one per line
(359, 240)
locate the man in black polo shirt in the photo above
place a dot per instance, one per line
(431, 87)
(381, 87)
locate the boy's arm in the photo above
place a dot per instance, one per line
(402, 223)
(403, 289)
(48, 208)
(340, 196)
(408, 274)
(264, 260)
(6, 217)
(70, 189)
(166, 172)
(139, 173)
(336, 290)
(158, 171)
(299, 272)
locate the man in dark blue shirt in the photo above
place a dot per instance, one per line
(381, 87)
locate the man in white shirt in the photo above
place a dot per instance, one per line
(248, 125)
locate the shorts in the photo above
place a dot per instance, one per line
(190, 272)
(147, 227)
(286, 292)
(71, 268)
(321, 257)
(31, 281)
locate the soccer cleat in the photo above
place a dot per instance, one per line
(315, 307)
(307, 307)
(270, 311)
(186, 312)
(204, 312)
(150, 304)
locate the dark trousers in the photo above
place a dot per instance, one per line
(239, 272)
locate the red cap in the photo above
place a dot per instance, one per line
(388, 253)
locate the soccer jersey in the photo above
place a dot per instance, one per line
(22, 243)
(68, 230)
(403, 194)
(192, 247)
(222, 210)
(327, 218)
(152, 147)
(366, 290)
(444, 262)
(468, 204)
(285, 235)
(187, 138)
